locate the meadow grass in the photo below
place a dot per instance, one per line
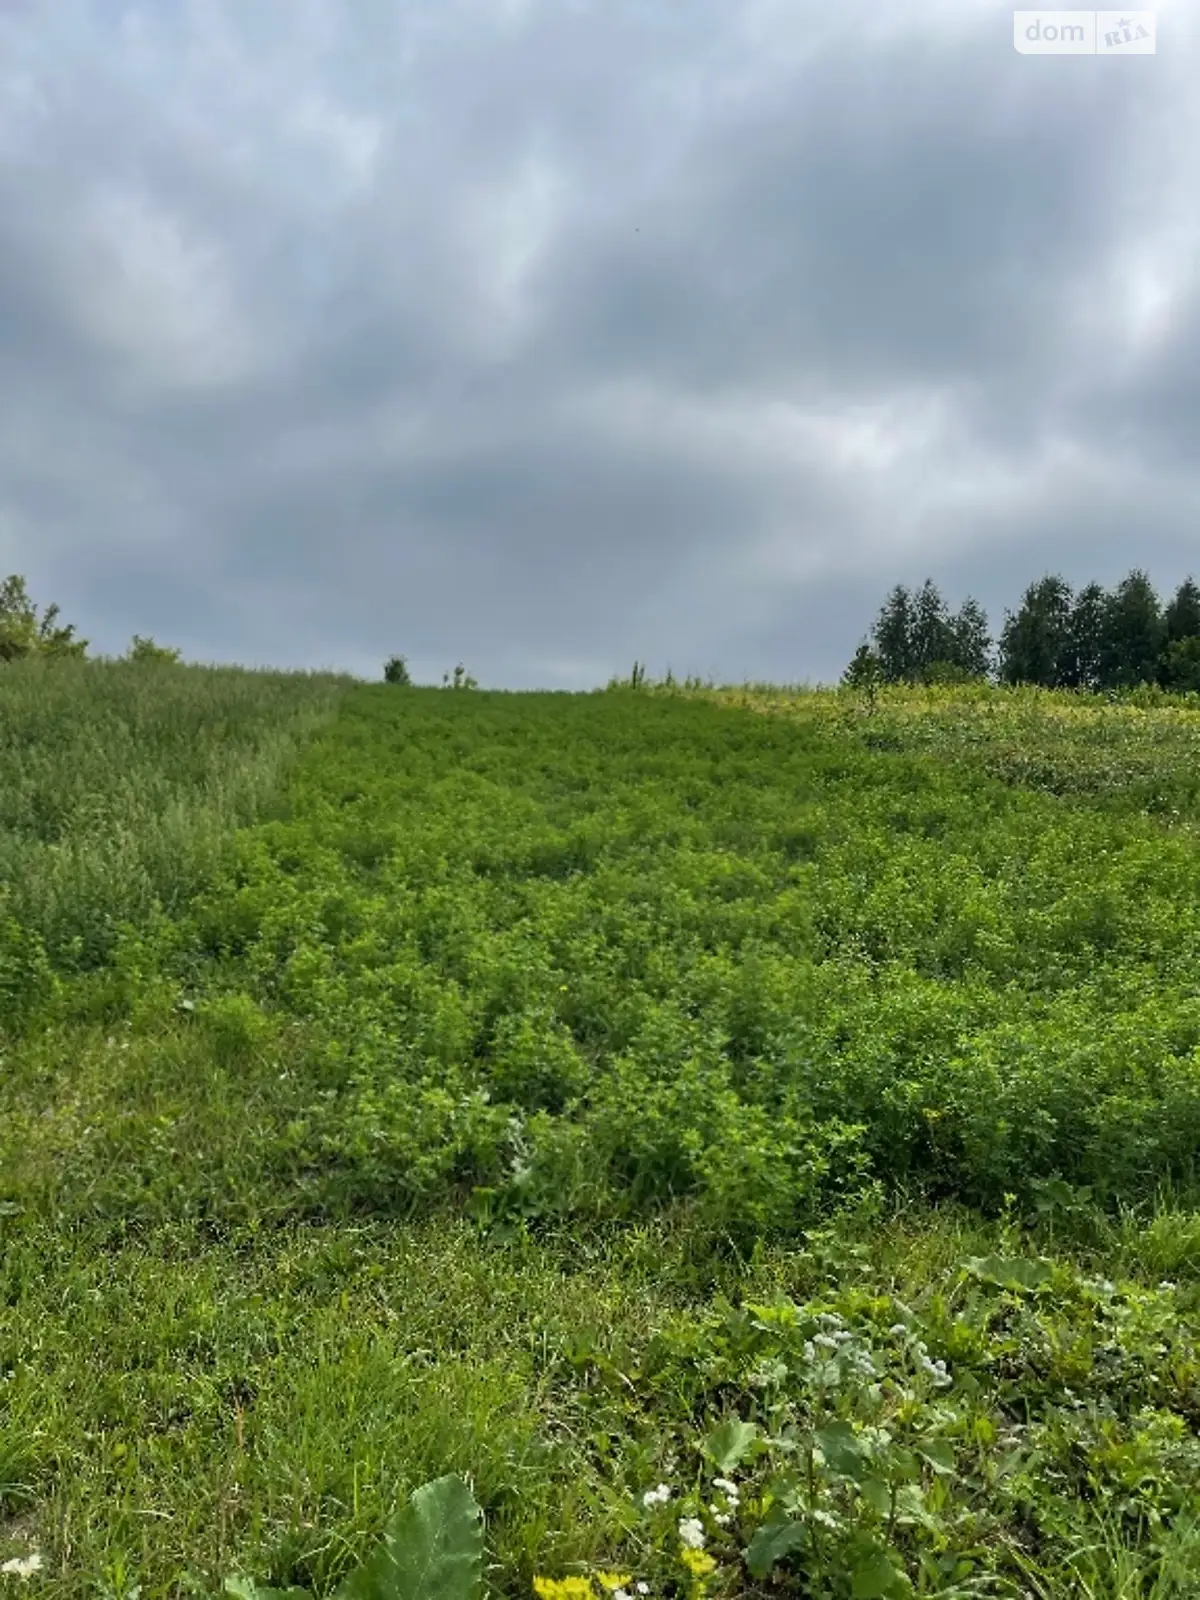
(532, 1083)
(1139, 751)
(123, 783)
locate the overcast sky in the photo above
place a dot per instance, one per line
(544, 334)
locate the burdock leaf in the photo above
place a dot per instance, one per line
(432, 1549)
(728, 1443)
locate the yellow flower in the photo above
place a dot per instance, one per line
(613, 1580)
(698, 1562)
(563, 1589)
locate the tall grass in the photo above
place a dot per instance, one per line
(121, 785)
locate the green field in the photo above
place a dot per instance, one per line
(397, 1082)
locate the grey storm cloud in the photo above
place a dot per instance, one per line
(547, 335)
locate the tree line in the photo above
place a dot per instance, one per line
(23, 633)
(1092, 639)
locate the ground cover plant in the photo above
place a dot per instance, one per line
(748, 1138)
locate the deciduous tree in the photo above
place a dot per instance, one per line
(1182, 616)
(21, 632)
(1086, 638)
(1134, 634)
(1035, 639)
(147, 652)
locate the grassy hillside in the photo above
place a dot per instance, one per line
(122, 784)
(532, 1084)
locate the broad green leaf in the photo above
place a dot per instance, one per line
(940, 1455)
(780, 1314)
(432, 1549)
(727, 1444)
(247, 1589)
(841, 1447)
(874, 1577)
(911, 1507)
(877, 1495)
(1017, 1272)
(771, 1543)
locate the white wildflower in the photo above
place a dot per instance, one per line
(721, 1518)
(657, 1497)
(897, 1328)
(825, 1518)
(809, 1353)
(691, 1533)
(768, 1373)
(23, 1566)
(727, 1488)
(643, 1588)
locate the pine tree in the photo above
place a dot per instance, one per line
(893, 636)
(933, 639)
(972, 643)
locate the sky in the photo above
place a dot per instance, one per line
(547, 335)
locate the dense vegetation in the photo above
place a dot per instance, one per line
(791, 1100)
(1092, 640)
